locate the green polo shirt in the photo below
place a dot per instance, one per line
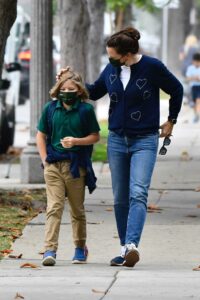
(67, 123)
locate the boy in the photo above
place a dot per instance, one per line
(66, 129)
(193, 76)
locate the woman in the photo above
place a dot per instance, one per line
(133, 81)
(190, 47)
(66, 131)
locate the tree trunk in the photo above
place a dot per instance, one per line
(96, 43)
(74, 20)
(179, 29)
(175, 39)
(185, 8)
(196, 28)
(119, 19)
(123, 17)
(8, 13)
(128, 16)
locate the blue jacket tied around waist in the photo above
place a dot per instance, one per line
(80, 158)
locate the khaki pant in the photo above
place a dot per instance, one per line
(59, 184)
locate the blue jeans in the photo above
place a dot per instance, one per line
(131, 162)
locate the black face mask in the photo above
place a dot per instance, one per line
(116, 62)
(68, 98)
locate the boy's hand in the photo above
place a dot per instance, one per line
(44, 160)
(68, 142)
(166, 129)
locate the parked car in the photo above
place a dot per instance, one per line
(7, 108)
(24, 57)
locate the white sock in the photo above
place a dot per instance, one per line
(123, 250)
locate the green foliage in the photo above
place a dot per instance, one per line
(197, 2)
(54, 6)
(104, 129)
(114, 5)
(100, 149)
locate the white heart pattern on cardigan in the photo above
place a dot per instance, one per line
(136, 116)
(112, 78)
(141, 83)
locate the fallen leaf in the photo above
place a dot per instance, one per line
(15, 236)
(14, 151)
(26, 191)
(16, 229)
(12, 194)
(28, 197)
(22, 214)
(6, 251)
(3, 235)
(109, 209)
(197, 189)
(185, 156)
(153, 207)
(163, 192)
(29, 265)
(115, 237)
(18, 296)
(3, 228)
(15, 256)
(198, 206)
(197, 268)
(99, 292)
(35, 215)
(94, 223)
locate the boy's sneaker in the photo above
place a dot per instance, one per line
(80, 255)
(132, 255)
(49, 258)
(119, 260)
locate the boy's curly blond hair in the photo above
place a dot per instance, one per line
(76, 78)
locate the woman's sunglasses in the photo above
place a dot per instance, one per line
(166, 142)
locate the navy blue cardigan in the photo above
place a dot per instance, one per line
(136, 110)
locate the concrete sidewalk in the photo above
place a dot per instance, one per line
(170, 245)
(169, 250)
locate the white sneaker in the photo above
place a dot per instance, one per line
(132, 255)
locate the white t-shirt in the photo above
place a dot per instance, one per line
(193, 71)
(125, 75)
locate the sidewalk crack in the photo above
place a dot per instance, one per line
(161, 192)
(110, 286)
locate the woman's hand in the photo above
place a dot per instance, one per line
(59, 74)
(68, 142)
(166, 129)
